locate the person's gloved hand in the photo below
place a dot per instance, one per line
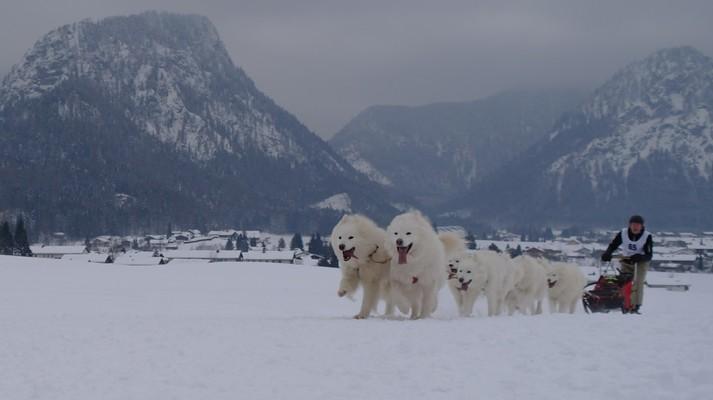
(636, 258)
(606, 257)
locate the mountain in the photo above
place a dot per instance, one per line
(435, 151)
(641, 143)
(133, 122)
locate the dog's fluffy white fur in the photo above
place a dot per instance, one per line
(459, 293)
(530, 286)
(565, 287)
(418, 256)
(484, 272)
(359, 244)
(455, 253)
(463, 272)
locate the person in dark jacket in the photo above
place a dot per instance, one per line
(637, 249)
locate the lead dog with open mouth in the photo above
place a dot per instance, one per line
(418, 256)
(359, 244)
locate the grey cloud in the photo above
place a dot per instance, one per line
(327, 60)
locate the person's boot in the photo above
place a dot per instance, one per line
(635, 309)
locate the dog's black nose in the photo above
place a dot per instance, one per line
(342, 246)
(460, 280)
(399, 242)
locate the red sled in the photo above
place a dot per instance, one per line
(609, 292)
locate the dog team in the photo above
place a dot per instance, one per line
(407, 264)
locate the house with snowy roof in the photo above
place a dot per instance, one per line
(272, 256)
(207, 255)
(42, 251)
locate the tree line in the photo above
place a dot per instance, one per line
(17, 243)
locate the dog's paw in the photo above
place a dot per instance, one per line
(342, 293)
(361, 316)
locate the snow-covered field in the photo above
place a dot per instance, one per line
(262, 331)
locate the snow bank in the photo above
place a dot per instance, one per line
(72, 330)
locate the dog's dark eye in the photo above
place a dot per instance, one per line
(469, 272)
(396, 233)
(340, 238)
(457, 261)
(351, 237)
(408, 233)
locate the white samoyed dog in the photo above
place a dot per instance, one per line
(566, 284)
(530, 286)
(418, 256)
(454, 286)
(462, 272)
(457, 251)
(359, 244)
(484, 272)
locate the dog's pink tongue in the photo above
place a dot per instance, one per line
(403, 255)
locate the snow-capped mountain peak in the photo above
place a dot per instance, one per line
(641, 143)
(145, 118)
(669, 81)
(659, 105)
(177, 79)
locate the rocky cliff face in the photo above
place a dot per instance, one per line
(134, 121)
(438, 151)
(642, 142)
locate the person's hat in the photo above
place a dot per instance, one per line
(636, 219)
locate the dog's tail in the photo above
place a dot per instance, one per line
(452, 243)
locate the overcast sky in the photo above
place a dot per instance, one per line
(325, 61)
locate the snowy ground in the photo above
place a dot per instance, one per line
(260, 331)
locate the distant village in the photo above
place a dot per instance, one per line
(190, 245)
(674, 251)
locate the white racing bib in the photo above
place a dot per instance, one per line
(630, 247)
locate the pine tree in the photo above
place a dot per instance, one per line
(470, 241)
(493, 247)
(229, 245)
(547, 234)
(6, 241)
(135, 244)
(241, 243)
(330, 259)
(326, 249)
(316, 246)
(516, 252)
(170, 231)
(22, 244)
(310, 245)
(296, 242)
(281, 244)
(87, 244)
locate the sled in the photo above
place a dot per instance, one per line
(612, 291)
